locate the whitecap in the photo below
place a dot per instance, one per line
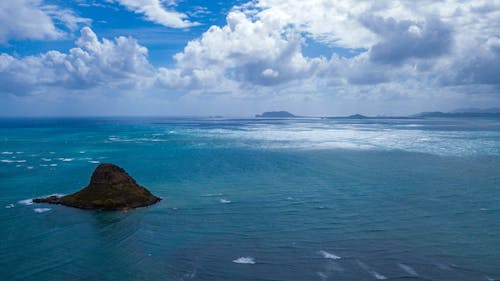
(44, 165)
(94, 162)
(7, 152)
(21, 161)
(53, 165)
(225, 201)
(26, 202)
(30, 167)
(378, 276)
(7, 161)
(9, 206)
(328, 255)
(322, 275)
(81, 152)
(66, 159)
(212, 195)
(408, 269)
(46, 159)
(58, 195)
(245, 260)
(368, 269)
(17, 166)
(41, 210)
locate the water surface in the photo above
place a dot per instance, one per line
(247, 199)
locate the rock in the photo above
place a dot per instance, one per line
(110, 188)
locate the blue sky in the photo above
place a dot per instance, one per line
(318, 57)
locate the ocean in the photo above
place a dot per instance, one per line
(255, 199)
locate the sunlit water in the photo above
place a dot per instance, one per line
(306, 199)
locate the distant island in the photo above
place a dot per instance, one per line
(459, 113)
(276, 114)
(110, 189)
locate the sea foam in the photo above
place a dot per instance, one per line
(408, 269)
(26, 202)
(328, 255)
(245, 260)
(41, 210)
(368, 269)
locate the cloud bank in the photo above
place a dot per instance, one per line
(399, 50)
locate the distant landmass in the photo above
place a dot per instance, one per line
(457, 114)
(276, 114)
(477, 110)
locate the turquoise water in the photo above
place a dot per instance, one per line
(246, 199)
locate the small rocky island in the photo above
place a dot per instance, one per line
(110, 189)
(276, 114)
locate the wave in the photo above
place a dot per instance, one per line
(94, 161)
(46, 159)
(328, 255)
(66, 159)
(245, 260)
(7, 152)
(12, 161)
(225, 201)
(9, 206)
(368, 269)
(212, 195)
(408, 269)
(26, 202)
(41, 210)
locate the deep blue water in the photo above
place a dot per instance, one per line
(247, 199)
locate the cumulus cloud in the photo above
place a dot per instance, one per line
(32, 19)
(259, 50)
(154, 11)
(415, 49)
(402, 40)
(93, 63)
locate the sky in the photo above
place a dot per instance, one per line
(239, 58)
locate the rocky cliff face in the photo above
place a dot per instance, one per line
(110, 188)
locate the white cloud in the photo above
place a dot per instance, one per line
(93, 63)
(250, 50)
(154, 11)
(424, 51)
(32, 19)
